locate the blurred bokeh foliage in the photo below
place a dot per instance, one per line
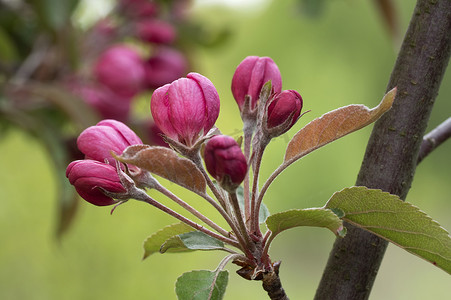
(336, 57)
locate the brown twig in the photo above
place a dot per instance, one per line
(434, 139)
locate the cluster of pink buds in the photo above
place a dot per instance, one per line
(98, 172)
(185, 111)
(134, 51)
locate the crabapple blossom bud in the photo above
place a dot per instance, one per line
(165, 66)
(121, 69)
(225, 161)
(155, 31)
(105, 102)
(283, 111)
(96, 142)
(88, 176)
(186, 109)
(139, 8)
(250, 76)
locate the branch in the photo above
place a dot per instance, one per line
(392, 152)
(434, 139)
(273, 286)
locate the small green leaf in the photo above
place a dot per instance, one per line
(202, 285)
(194, 240)
(153, 243)
(315, 217)
(396, 221)
(264, 211)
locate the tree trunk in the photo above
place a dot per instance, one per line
(391, 155)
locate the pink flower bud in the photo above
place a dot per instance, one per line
(225, 161)
(121, 69)
(155, 31)
(104, 101)
(96, 142)
(164, 67)
(87, 176)
(186, 109)
(250, 76)
(139, 8)
(285, 108)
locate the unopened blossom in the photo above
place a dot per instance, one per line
(165, 66)
(155, 31)
(283, 111)
(97, 142)
(225, 161)
(250, 76)
(121, 69)
(89, 176)
(139, 8)
(105, 102)
(186, 109)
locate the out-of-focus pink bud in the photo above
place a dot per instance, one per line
(88, 176)
(285, 108)
(121, 69)
(164, 67)
(108, 105)
(250, 76)
(186, 109)
(96, 142)
(139, 8)
(225, 161)
(155, 31)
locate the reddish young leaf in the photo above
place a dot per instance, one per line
(165, 163)
(334, 125)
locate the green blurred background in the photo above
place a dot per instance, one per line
(343, 56)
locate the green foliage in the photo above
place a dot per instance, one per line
(195, 240)
(154, 242)
(202, 285)
(315, 217)
(396, 221)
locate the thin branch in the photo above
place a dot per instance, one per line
(146, 198)
(239, 217)
(434, 139)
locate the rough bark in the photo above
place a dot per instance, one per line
(392, 152)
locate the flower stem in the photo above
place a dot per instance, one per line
(247, 153)
(239, 217)
(142, 196)
(255, 206)
(191, 209)
(195, 158)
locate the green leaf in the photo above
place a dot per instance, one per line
(154, 242)
(264, 212)
(202, 285)
(194, 240)
(396, 221)
(314, 217)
